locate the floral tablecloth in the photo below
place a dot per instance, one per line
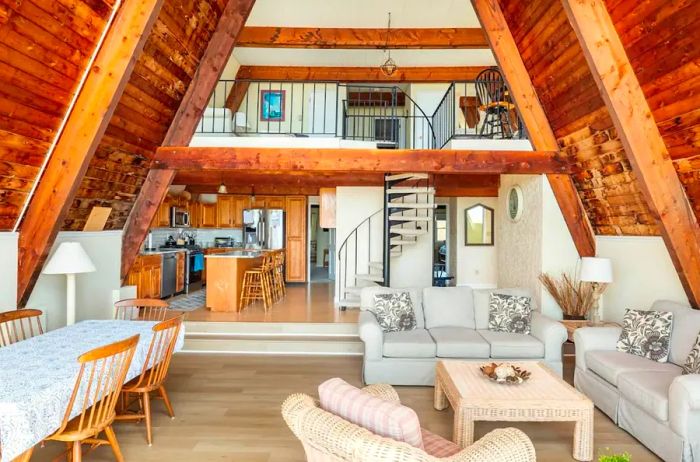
(37, 377)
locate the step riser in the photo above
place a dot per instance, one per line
(270, 328)
(272, 347)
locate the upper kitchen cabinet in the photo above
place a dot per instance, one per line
(224, 211)
(207, 216)
(295, 208)
(240, 203)
(274, 202)
(162, 218)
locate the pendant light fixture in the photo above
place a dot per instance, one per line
(222, 189)
(389, 66)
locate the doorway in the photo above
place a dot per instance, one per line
(321, 248)
(441, 247)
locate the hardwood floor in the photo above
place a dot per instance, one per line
(303, 303)
(228, 409)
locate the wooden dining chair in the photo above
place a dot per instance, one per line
(18, 325)
(96, 391)
(153, 375)
(141, 309)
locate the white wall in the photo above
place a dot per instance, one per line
(93, 290)
(476, 266)
(8, 281)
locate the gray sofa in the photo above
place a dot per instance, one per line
(452, 324)
(651, 400)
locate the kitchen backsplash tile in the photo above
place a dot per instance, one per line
(203, 236)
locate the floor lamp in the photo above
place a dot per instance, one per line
(69, 259)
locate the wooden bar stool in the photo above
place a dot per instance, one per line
(257, 284)
(279, 275)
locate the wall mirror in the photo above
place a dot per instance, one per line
(478, 225)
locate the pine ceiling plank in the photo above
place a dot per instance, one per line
(534, 118)
(640, 135)
(93, 108)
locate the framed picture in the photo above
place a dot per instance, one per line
(272, 105)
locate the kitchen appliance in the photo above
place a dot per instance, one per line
(168, 275)
(179, 218)
(263, 228)
(194, 266)
(223, 242)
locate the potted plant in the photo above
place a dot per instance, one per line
(574, 297)
(624, 457)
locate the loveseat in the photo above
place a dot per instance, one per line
(651, 400)
(452, 322)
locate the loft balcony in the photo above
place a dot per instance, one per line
(404, 116)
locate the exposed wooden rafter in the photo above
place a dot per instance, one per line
(645, 148)
(361, 38)
(359, 74)
(359, 160)
(184, 125)
(84, 128)
(534, 119)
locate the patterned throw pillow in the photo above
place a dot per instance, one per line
(646, 334)
(692, 364)
(510, 313)
(394, 312)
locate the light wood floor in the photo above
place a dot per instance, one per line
(228, 409)
(303, 303)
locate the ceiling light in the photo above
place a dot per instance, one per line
(389, 66)
(222, 189)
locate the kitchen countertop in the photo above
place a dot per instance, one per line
(237, 254)
(160, 252)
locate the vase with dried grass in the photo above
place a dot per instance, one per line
(574, 297)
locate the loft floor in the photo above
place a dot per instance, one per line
(228, 409)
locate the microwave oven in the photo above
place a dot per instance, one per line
(179, 218)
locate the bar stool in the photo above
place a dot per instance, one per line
(257, 284)
(278, 275)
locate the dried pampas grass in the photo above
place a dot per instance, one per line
(575, 298)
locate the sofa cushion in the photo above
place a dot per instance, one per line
(367, 300)
(409, 344)
(610, 364)
(383, 418)
(437, 446)
(459, 342)
(508, 345)
(648, 391)
(510, 313)
(646, 334)
(394, 312)
(692, 364)
(482, 297)
(686, 326)
(448, 306)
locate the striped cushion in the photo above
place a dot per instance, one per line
(383, 418)
(437, 446)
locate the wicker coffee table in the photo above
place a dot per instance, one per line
(543, 398)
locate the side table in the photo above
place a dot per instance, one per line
(572, 325)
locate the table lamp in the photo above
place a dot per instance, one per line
(597, 271)
(69, 259)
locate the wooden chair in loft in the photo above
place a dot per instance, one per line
(495, 102)
(152, 377)
(94, 398)
(18, 325)
(141, 309)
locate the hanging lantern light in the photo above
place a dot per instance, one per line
(389, 66)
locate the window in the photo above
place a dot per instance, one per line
(478, 225)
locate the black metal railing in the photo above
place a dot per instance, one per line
(462, 114)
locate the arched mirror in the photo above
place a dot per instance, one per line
(478, 225)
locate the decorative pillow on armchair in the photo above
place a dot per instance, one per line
(646, 334)
(394, 312)
(692, 364)
(510, 313)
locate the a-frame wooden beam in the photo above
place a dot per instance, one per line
(360, 74)
(644, 146)
(361, 38)
(535, 120)
(184, 125)
(86, 123)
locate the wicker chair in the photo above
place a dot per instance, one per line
(327, 437)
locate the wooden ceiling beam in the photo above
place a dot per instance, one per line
(640, 136)
(359, 160)
(359, 74)
(184, 125)
(360, 38)
(87, 122)
(535, 120)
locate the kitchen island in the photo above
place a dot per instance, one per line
(225, 273)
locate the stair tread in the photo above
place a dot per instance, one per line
(409, 218)
(408, 232)
(411, 190)
(406, 176)
(402, 242)
(370, 277)
(411, 205)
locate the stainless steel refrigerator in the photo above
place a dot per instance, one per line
(263, 228)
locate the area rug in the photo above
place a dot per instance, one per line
(189, 302)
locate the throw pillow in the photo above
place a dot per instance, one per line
(692, 364)
(509, 313)
(646, 334)
(394, 312)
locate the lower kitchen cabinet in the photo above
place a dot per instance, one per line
(146, 275)
(180, 272)
(295, 268)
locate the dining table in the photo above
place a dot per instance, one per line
(37, 377)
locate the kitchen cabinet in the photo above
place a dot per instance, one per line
(207, 216)
(224, 211)
(162, 218)
(180, 272)
(240, 203)
(327, 208)
(295, 207)
(193, 208)
(145, 274)
(275, 202)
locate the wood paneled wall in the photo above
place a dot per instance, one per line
(44, 48)
(144, 114)
(577, 114)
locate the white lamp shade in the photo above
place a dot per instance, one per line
(594, 269)
(69, 258)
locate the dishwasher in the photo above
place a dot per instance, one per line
(168, 275)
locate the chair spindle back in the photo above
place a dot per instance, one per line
(18, 325)
(155, 368)
(141, 309)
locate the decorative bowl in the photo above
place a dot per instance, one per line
(505, 373)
